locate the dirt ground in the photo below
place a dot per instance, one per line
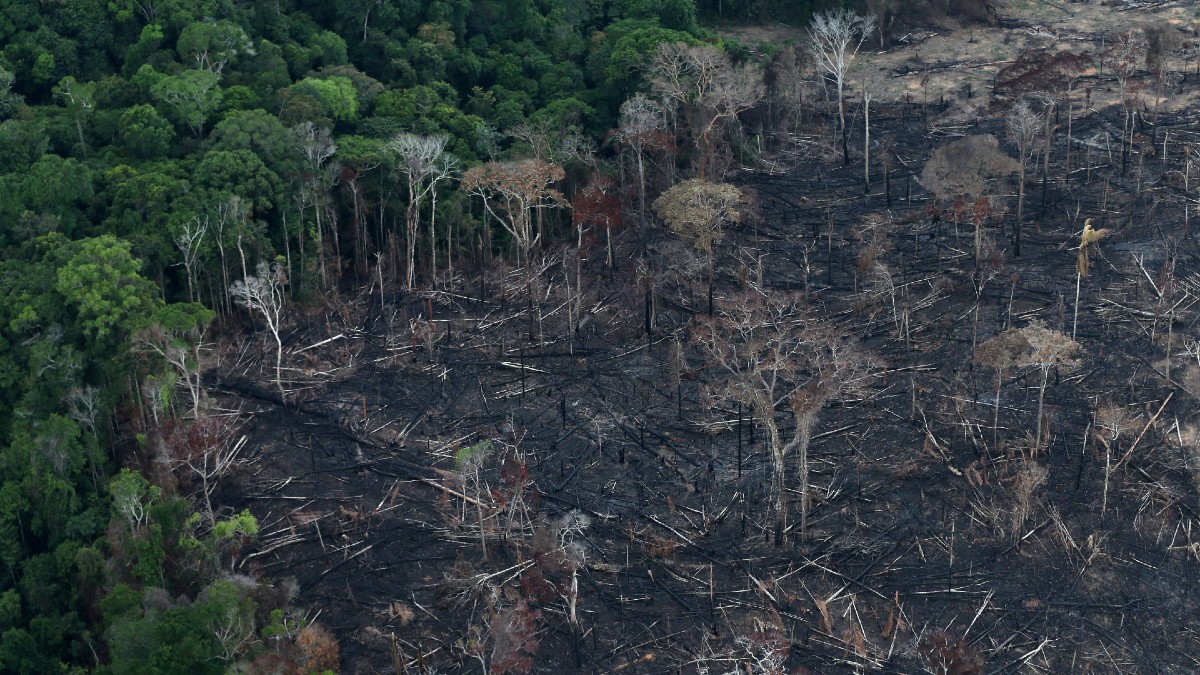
(960, 58)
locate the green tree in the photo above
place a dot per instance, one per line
(9, 100)
(337, 96)
(100, 279)
(191, 97)
(140, 52)
(212, 45)
(145, 133)
(242, 173)
(140, 206)
(260, 132)
(175, 334)
(22, 143)
(172, 13)
(59, 188)
(80, 99)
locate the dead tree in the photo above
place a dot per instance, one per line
(697, 211)
(1047, 349)
(774, 353)
(262, 294)
(785, 84)
(641, 128)
(708, 87)
(596, 206)
(1162, 40)
(507, 641)
(1000, 354)
(834, 39)
(1125, 56)
(966, 169)
(1049, 78)
(187, 240)
(424, 163)
(512, 192)
(868, 95)
(1022, 125)
(204, 450)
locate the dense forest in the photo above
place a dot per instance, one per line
(509, 288)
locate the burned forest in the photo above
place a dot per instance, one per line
(790, 416)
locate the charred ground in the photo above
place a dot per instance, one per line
(607, 458)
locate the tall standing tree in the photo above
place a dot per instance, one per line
(175, 333)
(698, 211)
(212, 45)
(262, 293)
(869, 86)
(316, 146)
(964, 170)
(1043, 350)
(712, 92)
(9, 100)
(1162, 40)
(191, 97)
(596, 206)
(187, 238)
(1125, 55)
(1022, 126)
(640, 128)
(424, 162)
(778, 358)
(835, 37)
(80, 98)
(512, 193)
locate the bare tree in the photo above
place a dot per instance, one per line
(539, 134)
(262, 294)
(1162, 40)
(596, 206)
(187, 240)
(1000, 354)
(1047, 77)
(444, 169)
(640, 127)
(83, 406)
(205, 450)
(834, 38)
(1046, 350)
(775, 354)
(512, 192)
(966, 169)
(418, 161)
(1125, 55)
(1022, 125)
(1113, 421)
(710, 89)
(697, 210)
(868, 94)
(785, 83)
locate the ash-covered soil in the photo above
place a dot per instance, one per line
(607, 458)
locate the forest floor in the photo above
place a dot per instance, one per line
(1062, 558)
